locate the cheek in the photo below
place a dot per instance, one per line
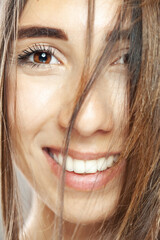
(115, 91)
(120, 105)
(36, 101)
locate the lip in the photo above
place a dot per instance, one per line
(83, 156)
(85, 182)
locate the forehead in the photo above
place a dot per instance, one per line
(71, 15)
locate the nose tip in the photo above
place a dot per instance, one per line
(93, 116)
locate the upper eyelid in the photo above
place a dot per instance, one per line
(119, 52)
(37, 46)
(57, 53)
(116, 57)
(43, 47)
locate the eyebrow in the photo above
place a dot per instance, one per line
(119, 35)
(36, 32)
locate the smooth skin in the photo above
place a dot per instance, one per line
(44, 102)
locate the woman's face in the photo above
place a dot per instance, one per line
(51, 57)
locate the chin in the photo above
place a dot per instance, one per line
(86, 219)
(96, 213)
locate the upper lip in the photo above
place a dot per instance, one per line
(83, 155)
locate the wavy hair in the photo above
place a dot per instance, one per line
(138, 213)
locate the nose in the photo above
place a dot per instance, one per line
(95, 115)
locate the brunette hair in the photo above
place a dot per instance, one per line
(138, 212)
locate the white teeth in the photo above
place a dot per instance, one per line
(101, 164)
(69, 164)
(60, 159)
(115, 158)
(91, 166)
(79, 166)
(110, 161)
(55, 157)
(87, 166)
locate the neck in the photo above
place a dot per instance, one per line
(41, 221)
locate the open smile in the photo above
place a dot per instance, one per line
(85, 171)
(84, 166)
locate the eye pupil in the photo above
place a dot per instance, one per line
(126, 58)
(42, 57)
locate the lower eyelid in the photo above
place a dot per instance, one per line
(41, 70)
(33, 71)
(26, 54)
(123, 60)
(29, 61)
(57, 62)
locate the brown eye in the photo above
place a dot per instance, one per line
(42, 57)
(122, 60)
(38, 55)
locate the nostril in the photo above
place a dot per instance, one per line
(92, 119)
(94, 116)
(88, 129)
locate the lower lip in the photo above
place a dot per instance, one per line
(86, 182)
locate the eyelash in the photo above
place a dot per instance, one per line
(122, 59)
(23, 58)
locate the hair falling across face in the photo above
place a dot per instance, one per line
(78, 120)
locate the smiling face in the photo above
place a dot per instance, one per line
(51, 58)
